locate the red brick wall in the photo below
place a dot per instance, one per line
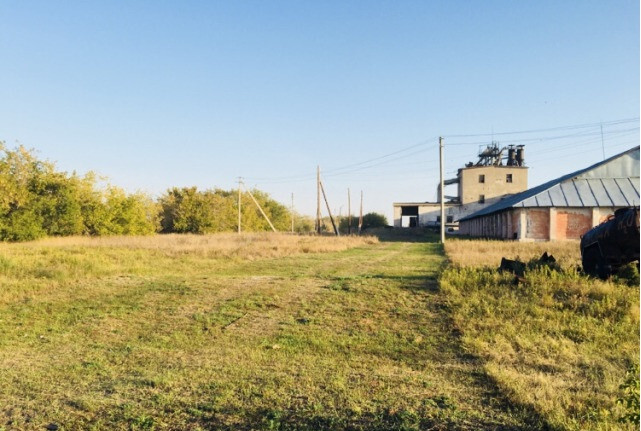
(538, 224)
(571, 224)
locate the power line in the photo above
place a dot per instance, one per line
(388, 160)
(549, 129)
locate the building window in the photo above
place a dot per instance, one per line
(481, 178)
(481, 199)
(450, 219)
(508, 178)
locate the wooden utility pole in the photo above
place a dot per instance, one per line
(240, 180)
(328, 210)
(318, 205)
(441, 191)
(349, 213)
(261, 210)
(360, 217)
(292, 212)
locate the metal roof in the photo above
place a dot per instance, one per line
(611, 183)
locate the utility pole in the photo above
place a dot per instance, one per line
(240, 181)
(292, 212)
(328, 210)
(349, 213)
(360, 217)
(261, 210)
(318, 193)
(441, 191)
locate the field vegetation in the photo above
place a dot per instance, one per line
(556, 340)
(241, 332)
(284, 332)
(37, 200)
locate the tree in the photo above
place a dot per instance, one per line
(370, 220)
(36, 200)
(186, 209)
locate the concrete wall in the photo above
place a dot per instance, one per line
(495, 183)
(428, 212)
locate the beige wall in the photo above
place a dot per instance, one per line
(495, 182)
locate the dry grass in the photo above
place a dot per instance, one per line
(479, 253)
(246, 245)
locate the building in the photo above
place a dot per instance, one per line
(497, 174)
(563, 208)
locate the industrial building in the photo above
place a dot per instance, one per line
(564, 208)
(499, 172)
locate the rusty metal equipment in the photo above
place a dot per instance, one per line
(614, 243)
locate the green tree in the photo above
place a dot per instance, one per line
(186, 210)
(57, 203)
(36, 200)
(133, 214)
(189, 210)
(19, 219)
(370, 220)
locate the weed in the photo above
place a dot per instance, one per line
(630, 398)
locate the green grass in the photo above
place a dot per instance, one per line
(137, 335)
(557, 341)
(138, 338)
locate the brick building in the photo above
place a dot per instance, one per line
(564, 208)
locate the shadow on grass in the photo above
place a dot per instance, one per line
(384, 420)
(451, 349)
(404, 235)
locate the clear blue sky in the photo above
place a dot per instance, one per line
(154, 94)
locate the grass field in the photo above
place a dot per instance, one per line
(556, 340)
(285, 332)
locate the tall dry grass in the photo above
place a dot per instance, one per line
(479, 253)
(245, 245)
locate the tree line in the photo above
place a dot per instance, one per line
(37, 200)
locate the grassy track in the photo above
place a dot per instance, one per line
(139, 336)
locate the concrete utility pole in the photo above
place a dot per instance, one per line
(240, 180)
(349, 213)
(261, 210)
(360, 217)
(318, 202)
(292, 212)
(441, 191)
(331, 218)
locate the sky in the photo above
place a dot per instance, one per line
(160, 94)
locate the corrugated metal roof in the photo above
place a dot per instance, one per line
(611, 183)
